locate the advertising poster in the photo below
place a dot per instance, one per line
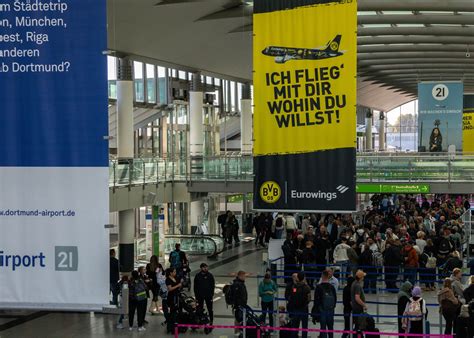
(305, 55)
(54, 201)
(468, 124)
(440, 106)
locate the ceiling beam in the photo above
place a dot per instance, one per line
(421, 60)
(424, 19)
(417, 55)
(422, 66)
(413, 48)
(440, 31)
(390, 40)
(416, 5)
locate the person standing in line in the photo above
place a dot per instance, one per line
(325, 300)
(239, 297)
(162, 290)
(174, 285)
(137, 301)
(114, 277)
(456, 284)
(448, 305)
(204, 286)
(469, 291)
(267, 291)
(299, 299)
(416, 312)
(358, 299)
(403, 300)
(346, 300)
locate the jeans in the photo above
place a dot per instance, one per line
(267, 306)
(115, 292)
(278, 233)
(200, 306)
(448, 329)
(301, 316)
(140, 307)
(327, 323)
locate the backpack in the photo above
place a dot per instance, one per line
(229, 294)
(328, 302)
(445, 247)
(431, 262)
(139, 290)
(279, 223)
(298, 297)
(377, 258)
(175, 259)
(415, 309)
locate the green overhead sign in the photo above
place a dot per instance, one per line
(393, 188)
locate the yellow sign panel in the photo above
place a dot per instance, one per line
(468, 130)
(305, 78)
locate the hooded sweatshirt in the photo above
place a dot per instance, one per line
(404, 297)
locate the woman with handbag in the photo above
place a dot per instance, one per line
(448, 305)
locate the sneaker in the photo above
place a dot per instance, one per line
(130, 328)
(119, 326)
(141, 328)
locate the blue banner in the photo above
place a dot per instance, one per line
(53, 87)
(440, 107)
(54, 157)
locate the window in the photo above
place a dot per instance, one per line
(138, 81)
(150, 83)
(402, 127)
(112, 76)
(162, 97)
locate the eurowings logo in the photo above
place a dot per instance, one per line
(342, 188)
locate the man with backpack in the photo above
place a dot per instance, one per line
(325, 299)
(137, 301)
(236, 296)
(299, 300)
(178, 260)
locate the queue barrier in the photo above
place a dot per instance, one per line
(271, 328)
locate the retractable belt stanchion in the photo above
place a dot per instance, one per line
(244, 312)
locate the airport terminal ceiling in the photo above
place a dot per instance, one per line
(399, 42)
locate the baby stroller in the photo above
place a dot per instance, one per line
(186, 277)
(188, 313)
(252, 319)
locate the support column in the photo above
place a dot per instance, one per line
(246, 121)
(196, 126)
(368, 132)
(126, 240)
(196, 213)
(382, 131)
(125, 154)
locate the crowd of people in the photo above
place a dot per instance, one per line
(409, 243)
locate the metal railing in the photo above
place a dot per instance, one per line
(375, 167)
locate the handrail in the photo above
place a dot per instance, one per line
(210, 237)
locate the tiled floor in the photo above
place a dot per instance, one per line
(244, 257)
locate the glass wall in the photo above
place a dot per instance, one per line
(402, 127)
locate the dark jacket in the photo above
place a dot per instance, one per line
(204, 285)
(319, 294)
(240, 293)
(346, 295)
(393, 256)
(452, 263)
(114, 270)
(469, 293)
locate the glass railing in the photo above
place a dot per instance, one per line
(376, 167)
(209, 245)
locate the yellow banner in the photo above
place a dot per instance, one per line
(468, 130)
(305, 62)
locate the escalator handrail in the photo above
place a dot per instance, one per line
(215, 253)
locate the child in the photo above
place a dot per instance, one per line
(282, 316)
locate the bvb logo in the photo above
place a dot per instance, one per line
(334, 45)
(270, 192)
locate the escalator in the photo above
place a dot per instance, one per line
(209, 245)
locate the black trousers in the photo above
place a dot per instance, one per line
(140, 307)
(448, 329)
(209, 306)
(267, 307)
